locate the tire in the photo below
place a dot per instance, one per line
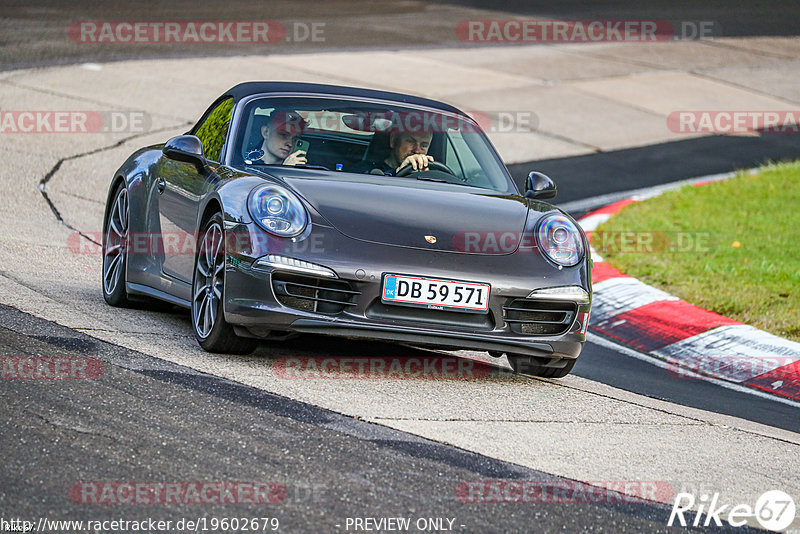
(530, 365)
(115, 254)
(208, 282)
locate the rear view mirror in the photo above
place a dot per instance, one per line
(186, 148)
(540, 186)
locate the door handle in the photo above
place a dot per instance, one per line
(161, 185)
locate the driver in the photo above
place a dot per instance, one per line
(409, 149)
(280, 131)
(406, 148)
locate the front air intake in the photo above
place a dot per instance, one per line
(538, 317)
(311, 294)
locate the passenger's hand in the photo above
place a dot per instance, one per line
(419, 162)
(296, 158)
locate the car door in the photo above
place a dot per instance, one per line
(181, 188)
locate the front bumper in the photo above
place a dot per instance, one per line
(254, 306)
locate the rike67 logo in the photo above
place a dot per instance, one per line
(774, 510)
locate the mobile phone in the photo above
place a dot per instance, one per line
(301, 145)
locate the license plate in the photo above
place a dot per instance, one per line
(435, 294)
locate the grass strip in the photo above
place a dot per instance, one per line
(732, 247)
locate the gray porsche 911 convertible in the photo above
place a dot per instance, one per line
(295, 208)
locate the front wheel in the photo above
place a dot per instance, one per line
(211, 329)
(115, 257)
(532, 366)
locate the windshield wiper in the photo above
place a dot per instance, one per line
(307, 166)
(442, 181)
(429, 179)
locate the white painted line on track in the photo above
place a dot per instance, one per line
(588, 204)
(619, 295)
(738, 352)
(590, 223)
(607, 343)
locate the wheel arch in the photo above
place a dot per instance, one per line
(119, 179)
(212, 206)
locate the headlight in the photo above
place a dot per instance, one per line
(277, 211)
(560, 240)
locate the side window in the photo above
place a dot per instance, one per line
(450, 158)
(214, 129)
(459, 157)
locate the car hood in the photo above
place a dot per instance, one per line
(412, 213)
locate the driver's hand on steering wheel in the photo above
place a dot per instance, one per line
(419, 162)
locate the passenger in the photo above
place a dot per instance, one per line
(280, 131)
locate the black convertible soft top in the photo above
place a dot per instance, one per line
(252, 88)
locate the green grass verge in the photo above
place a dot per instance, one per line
(731, 247)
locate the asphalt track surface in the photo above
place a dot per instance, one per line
(147, 420)
(333, 466)
(33, 33)
(584, 177)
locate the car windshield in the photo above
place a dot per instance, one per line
(367, 137)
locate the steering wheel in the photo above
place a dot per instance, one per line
(432, 166)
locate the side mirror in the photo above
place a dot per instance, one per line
(539, 186)
(186, 148)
